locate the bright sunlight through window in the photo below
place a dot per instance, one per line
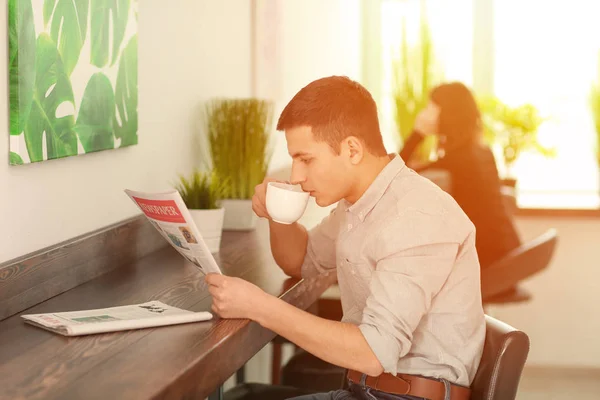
(544, 53)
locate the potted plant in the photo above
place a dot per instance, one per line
(201, 193)
(595, 109)
(514, 129)
(238, 138)
(416, 73)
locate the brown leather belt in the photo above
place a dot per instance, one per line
(412, 385)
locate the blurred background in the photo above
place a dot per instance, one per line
(533, 68)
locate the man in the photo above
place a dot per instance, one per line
(403, 250)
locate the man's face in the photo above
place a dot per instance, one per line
(317, 168)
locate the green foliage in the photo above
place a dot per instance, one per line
(514, 128)
(126, 98)
(416, 73)
(103, 12)
(94, 122)
(595, 109)
(61, 140)
(15, 159)
(238, 137)
(202, 191)
(22, 63)
(69, 23)
(42, 102)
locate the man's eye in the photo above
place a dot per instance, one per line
(305, 160)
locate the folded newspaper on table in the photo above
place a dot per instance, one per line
(87, 322)
(170, 216)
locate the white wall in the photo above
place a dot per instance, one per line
(315, 39)
(189, 50)
(563, 318)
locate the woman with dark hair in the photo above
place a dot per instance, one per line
(452, 115)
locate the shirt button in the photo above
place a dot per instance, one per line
(349, 226)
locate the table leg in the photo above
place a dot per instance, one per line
(217, 394)
(240, 375)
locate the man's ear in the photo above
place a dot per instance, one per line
(354, 148)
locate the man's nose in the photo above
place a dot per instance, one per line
(298, 176)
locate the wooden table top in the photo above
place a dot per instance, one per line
(166, 362)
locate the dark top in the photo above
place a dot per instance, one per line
(476, 187)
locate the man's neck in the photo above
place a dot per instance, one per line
(369, 172)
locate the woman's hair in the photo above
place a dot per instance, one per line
(459, 122)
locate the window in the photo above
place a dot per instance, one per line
(548, 57)
(544, 53)
(452, 38)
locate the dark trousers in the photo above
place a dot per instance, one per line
(355, 392)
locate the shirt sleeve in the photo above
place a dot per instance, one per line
(410, 271)
(320, 255)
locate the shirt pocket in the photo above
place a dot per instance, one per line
(358, 275)
(358, 269)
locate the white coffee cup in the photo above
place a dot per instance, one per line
(285, 203)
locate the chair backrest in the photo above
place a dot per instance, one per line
(502, 362)
(518, 264)
(509, 198)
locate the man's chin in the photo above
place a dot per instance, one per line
(321, 202)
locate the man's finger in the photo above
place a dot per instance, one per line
(214, 279)
(258, 208)
(217, 295)
(255, 205)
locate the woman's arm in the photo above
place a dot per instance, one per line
(411, 144)
(408, 150)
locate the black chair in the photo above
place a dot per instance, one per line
(500, 281)
(504, 355)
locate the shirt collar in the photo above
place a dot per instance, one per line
(378, 187)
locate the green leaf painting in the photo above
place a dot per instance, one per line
(68, 28)
(126, 96)
(21, 65)
(102, 13)
(72, 77)
(15, 159)
(94, 124)
(52, 89)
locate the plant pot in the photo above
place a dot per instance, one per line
(239, 215)
(510, 182)
(210, 225)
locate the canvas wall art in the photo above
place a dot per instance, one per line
(72, 77)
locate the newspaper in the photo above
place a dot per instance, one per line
(87, 322)
(170, 216)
